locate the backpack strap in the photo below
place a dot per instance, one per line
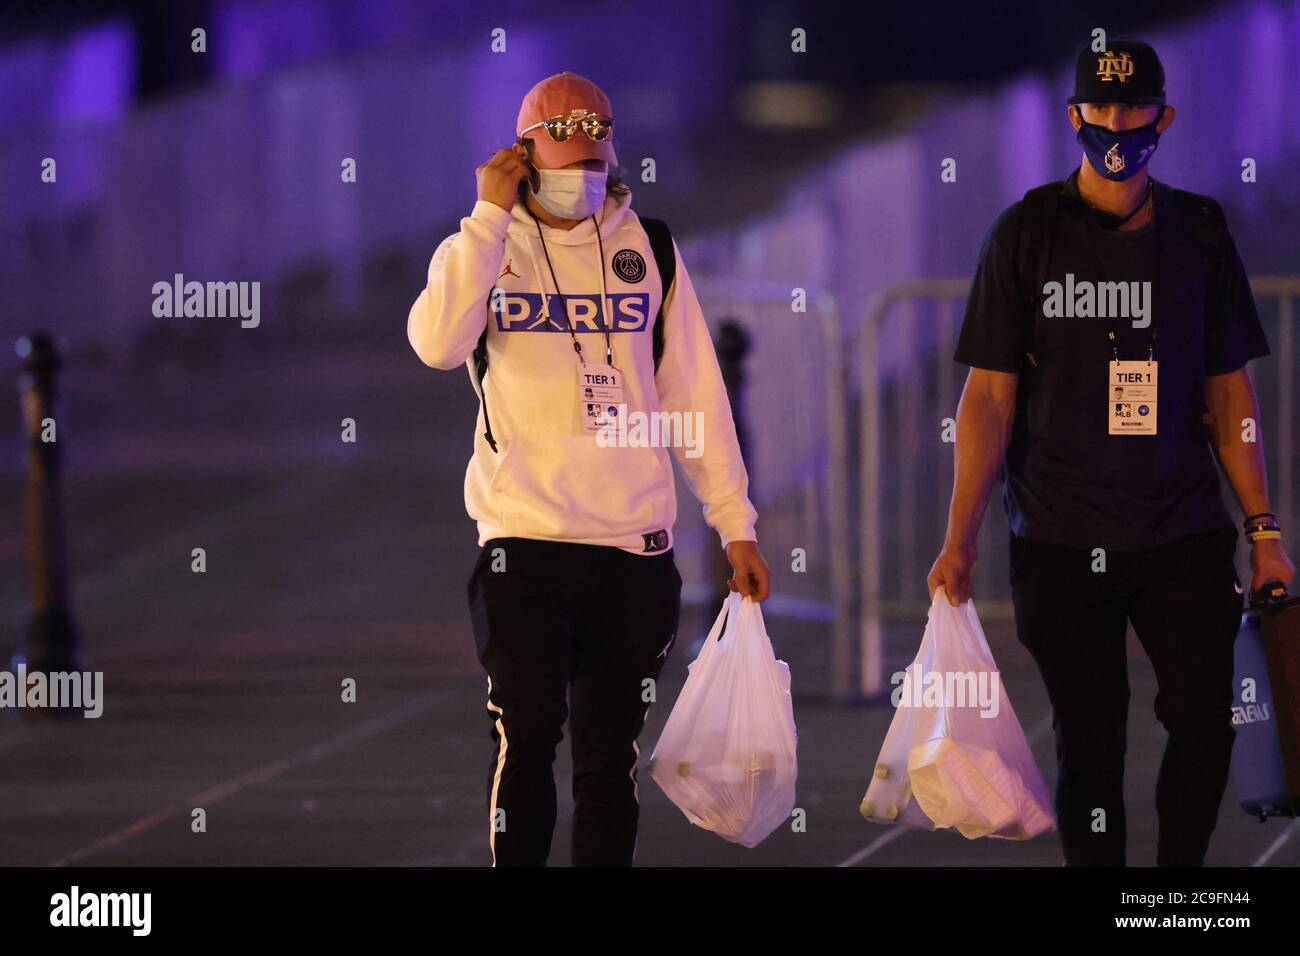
(1205, 218)
(1210, 226)
(1202, 214)
(480, 371)
(1035, 235)
(661, 244)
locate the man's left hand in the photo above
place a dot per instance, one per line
(1268, 562)
(750, 572)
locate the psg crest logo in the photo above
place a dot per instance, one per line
(629, 265)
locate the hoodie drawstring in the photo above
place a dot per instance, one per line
(532, 261)
(604, 297)
(577, 346)
(546, 314)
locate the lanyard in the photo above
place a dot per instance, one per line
(1156, 224)
(577, 346)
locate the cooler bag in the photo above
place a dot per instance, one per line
(1266, 706)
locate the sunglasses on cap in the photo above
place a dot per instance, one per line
(561, 128)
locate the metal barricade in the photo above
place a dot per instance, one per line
(798, 459)
(895, 556)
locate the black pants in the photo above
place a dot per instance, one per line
(1183, 601)
(577, 631)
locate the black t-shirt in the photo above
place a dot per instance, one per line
(1068, 482)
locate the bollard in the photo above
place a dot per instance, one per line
(732, 346)
(50, 637)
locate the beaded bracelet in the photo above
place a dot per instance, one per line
(1264, 532)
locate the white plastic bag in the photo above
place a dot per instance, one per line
(951, 758)
(726, 756)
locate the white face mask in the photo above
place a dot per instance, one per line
(571, 193)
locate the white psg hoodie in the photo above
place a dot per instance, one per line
(551, 479)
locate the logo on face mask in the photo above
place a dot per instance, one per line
(1119, 155)
(1111, 67)
(1114, 161)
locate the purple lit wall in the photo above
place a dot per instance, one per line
(242, 177)
(878, 212)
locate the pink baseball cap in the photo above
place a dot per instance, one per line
(558, 95)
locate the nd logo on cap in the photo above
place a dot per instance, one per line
(1110, 66)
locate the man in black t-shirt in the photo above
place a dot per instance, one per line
(1107, 281)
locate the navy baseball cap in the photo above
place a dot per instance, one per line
(1128, 71)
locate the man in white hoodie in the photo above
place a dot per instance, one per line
(553, 296)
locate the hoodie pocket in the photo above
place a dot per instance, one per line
(552, 482)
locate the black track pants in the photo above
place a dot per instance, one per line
(568, 631)
(1183, 602)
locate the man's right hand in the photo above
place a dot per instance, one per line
(952, 571)
(498, 178)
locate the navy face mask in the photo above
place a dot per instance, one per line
(1121, 155)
